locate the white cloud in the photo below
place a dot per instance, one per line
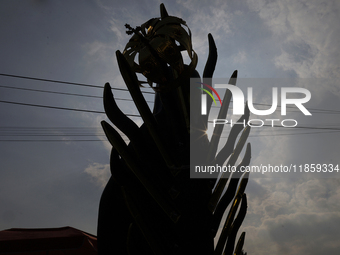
(292, 216)
(97, 52)
(100, 173)
(119, 30)
(214, 19)
(103, 6)
(308, 35)
(240, 57)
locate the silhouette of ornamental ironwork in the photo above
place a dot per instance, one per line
(150, 204)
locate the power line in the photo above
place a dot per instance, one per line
(304, 127)
(96, 86)
(130, 100)
(51, 107)
(48, 91)
(54, 140)
(61, 108)
(64, 135)
(65, 93)
(55, 81)
(313, 110)
(48, 128)
(329, 129)
(134, 115)
(37, 132)
(65, 82)
(98, 140)
(302, 133)
(79, 131)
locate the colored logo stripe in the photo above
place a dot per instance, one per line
(209, 95)
(218, 96)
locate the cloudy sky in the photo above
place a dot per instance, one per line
(54, 162)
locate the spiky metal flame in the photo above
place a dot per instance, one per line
(150, 204)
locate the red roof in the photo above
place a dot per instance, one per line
(53, 241)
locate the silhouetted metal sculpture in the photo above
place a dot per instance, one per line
(150, 204)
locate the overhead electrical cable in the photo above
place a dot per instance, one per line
(64, 93)
(61, 108)
(66, 82)
(122, 89)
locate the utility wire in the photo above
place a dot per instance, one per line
(44, 132)
(96, 86)
(313, 110)
(302, 133)
(135, 115)
(52, 92)
(89, 129)
(90, 140)
(132, 115)
(64, 135)
(130, 100)
(51, 107)
(65, 93)
(29, 131)
(61, 108)
(65, 82)
(98, 140)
